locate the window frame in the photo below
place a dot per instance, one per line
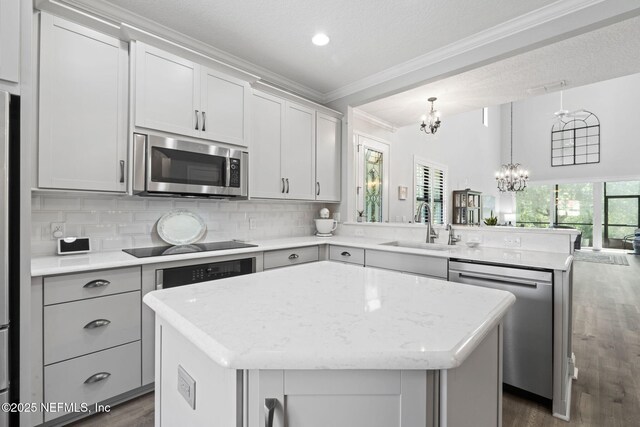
(417, 160)
(360, 141)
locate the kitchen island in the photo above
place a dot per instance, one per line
(329, 344)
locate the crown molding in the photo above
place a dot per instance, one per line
(370, 118)
(104, 11)
(501, 31)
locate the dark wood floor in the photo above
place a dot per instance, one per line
(606, 342)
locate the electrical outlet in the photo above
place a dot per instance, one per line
(512, 242)
(252, 223)
(187, 387)
(359, 233)
(57, 230)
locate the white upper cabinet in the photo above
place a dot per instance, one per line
(83, 108)
(267, 128)
(179, 96)
(224, 103)
(167, 92)
(295, 151)
(298, 152)
(10, 40)
(328, 158)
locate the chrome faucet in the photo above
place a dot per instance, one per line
(431, 233)
(452, 239)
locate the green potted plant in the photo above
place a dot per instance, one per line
(492, 220)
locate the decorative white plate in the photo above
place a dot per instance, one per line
(181, 227)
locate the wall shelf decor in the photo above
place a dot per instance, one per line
(575, 139)
(467, 207)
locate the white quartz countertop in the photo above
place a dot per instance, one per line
(51, 265)
(328, 315)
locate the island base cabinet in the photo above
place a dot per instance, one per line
(341, 398)
(212, 395)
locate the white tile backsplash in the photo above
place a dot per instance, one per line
(118, 222)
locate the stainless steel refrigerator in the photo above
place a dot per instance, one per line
(9, 250)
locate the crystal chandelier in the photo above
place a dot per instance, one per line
(434, 119)
(512, 176)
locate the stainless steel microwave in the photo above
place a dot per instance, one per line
(166, 166)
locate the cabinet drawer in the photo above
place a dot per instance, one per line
(408, 263)
(75, 381)
(69, 330)
(346, 254)
(286, 257)
(71, 287)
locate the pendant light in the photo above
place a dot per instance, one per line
(434, 119)
(512, 177)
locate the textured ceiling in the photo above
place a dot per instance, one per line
(603, 54)
(367, 36)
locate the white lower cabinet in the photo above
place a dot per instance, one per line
(339, 398)
(87, 344)
(92, 378)
(76, 328)
(423, 265)
(347, 254)
(288, 257)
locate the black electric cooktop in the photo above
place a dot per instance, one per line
(186, 249)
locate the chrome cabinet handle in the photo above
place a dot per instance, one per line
(345, 253)
(317, 188)
(269, 409)
(287, 179)
(282, 185)
(294, 256)
(98, 323)
(197, 119)
(121, 170)
(100, 376)
(97, 284)
(204, 121)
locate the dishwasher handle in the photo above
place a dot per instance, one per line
(497, 278)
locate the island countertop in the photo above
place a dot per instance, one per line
(328, 315)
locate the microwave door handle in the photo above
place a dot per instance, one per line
(227, 172)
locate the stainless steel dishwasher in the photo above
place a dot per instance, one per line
(528, 325)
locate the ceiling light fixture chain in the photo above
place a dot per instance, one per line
(434, 119)
(512, 177)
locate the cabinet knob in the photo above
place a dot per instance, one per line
(282, 185)
(294, 256)
(287, 180)
(97, 284)
(345, 253)
(100, 376)
(317, 188)
(121, 170)
(197, 119)
(98, 323)
(204, 121)
(269, 409)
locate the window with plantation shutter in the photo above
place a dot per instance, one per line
(430, 187)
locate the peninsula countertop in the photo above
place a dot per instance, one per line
(50, 265)
(328, 315)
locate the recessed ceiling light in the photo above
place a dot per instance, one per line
(320, 39)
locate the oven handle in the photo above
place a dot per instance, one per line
(227, 172)
(159, 279)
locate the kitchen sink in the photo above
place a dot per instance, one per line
(419, 245)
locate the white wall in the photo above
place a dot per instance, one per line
(616, 103)
(470, 150)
